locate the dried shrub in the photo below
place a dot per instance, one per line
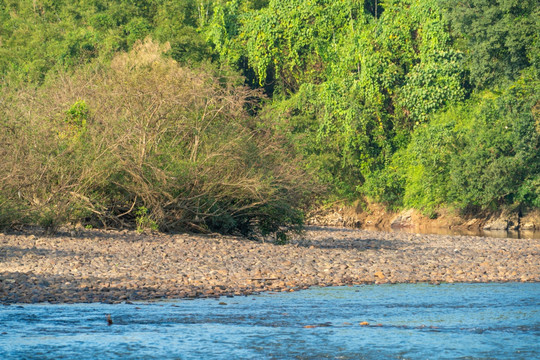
(105, 143)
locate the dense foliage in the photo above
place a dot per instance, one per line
(480, 154)
(410, 103)
(370, 98)
(42, 35)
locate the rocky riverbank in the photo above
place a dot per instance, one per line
(372, 215)
(112, 266)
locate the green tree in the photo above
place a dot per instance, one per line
(481, 154)
(499, 37)
(346, 86)
(37, 36)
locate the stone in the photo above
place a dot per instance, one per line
(528, 226)
(403, 219)
(114, 267)
(505, 221)
(497, 224)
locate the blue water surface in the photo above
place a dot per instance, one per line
(406, 321)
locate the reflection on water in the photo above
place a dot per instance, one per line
(405, 321)
(513, 234)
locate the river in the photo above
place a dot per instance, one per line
(406, 321)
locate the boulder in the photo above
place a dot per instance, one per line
(403, 219)
(528, 226)
(531, 221)
(497, 224)
(505, 221)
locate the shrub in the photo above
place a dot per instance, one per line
(144, 133)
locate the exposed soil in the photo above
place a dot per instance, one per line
(367, 216)
(112, 266)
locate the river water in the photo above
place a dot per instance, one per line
(513, 234)
(406, 321)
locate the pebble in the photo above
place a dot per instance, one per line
(126, 266)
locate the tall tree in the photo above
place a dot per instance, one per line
(500, 37)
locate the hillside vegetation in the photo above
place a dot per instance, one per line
(239, 116)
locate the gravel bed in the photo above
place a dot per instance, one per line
(118, 266)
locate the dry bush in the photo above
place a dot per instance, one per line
(144, 142)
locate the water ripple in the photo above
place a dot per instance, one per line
(408, 321)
